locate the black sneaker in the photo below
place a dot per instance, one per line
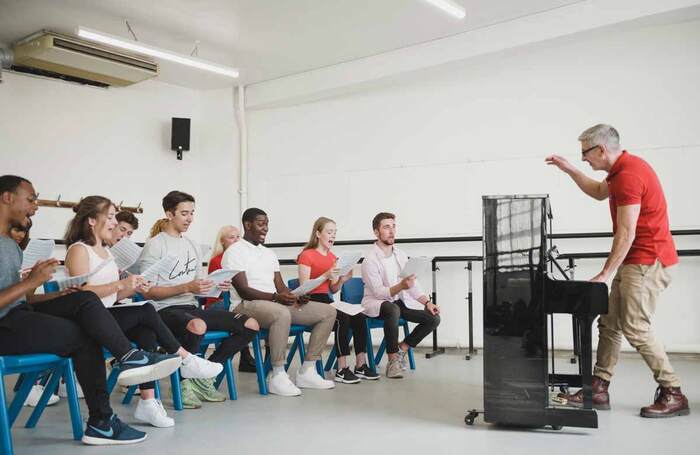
(364, 372)
(346, 376)
(112, 432)
(139, 366)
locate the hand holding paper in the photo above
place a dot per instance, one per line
(217, 278)
(80, 280)
(309, 286)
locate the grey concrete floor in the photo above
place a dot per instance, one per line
(420, 414)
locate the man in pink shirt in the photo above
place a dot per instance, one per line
(389, 297)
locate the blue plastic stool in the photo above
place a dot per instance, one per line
(31, 365)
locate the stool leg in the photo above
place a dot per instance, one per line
(259, 367)
(72, 392)
(176, 390)
(43, 401)
(5, 432)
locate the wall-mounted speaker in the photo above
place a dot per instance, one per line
(180, 136)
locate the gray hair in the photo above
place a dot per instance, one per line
(601, 134)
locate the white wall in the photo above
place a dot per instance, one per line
(428, 146)
(75, 141)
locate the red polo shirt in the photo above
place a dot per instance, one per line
(632, 181)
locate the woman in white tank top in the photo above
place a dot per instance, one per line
(87, 234)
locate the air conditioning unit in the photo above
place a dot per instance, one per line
(70, 58)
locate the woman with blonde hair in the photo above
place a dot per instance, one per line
(316, 259)
(227, 236)
(158, 226)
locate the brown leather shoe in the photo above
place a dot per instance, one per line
(601, 397)
(668, 402)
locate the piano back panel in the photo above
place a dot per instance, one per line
(515, 336)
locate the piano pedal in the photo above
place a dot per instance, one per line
(471, 415)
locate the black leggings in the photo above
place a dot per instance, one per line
(76, 325)
(177, 317)
(390, 312)
(143, 325)
(343, 323)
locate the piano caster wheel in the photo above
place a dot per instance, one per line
(564, 389)
(572, 360)
(557, 427)
(469, 418)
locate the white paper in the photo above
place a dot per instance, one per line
(125, 253)
(163, 266)
(413, 304)
(77, 281)
(415, 266)
(37, 250)
(218, 277)
(131, 304)
(347, 308)
(309, 286)
(347, 261)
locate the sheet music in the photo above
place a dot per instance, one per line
(218, 277)
(347, 308)
(77, 281)
(415, 266)
(125, 253)
(37, 250)
(163, 266)
(347, 261)
(309, 286)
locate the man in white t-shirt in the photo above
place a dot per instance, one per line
(390, 297)
(266, 298)
(173, 293)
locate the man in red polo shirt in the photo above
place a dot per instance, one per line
(642, 250)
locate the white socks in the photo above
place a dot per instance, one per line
(276, 370)
(307, 365)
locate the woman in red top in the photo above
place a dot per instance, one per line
(227, 236)
(315, 260)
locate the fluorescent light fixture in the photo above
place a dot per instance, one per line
(137, 46)
(450, 7)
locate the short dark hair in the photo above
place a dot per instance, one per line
(11, 183)
(173, 198)
(379, 217)
(128, 217)
(251, 213)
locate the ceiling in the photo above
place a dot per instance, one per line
(264, 39)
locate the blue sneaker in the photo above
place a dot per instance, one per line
(140, 366)
(112, 432)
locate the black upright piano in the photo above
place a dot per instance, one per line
(519, 294)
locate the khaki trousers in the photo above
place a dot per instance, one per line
(277, 318)
(633, 298)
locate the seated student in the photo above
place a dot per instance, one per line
(20, 234)
(174, 296)
(317, 259)
(87, 233)
(267, 299)
(70, 323)
(386, 295)
(127, 223)
(227, 236)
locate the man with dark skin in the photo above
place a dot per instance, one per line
(266, 298)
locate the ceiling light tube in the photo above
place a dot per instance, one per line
(450, 7)
(145, 49)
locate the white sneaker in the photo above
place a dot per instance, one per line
(35, 395)
(310, 379)
(195, 367)
(280, 384)
(63, 393)
(152, 412)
